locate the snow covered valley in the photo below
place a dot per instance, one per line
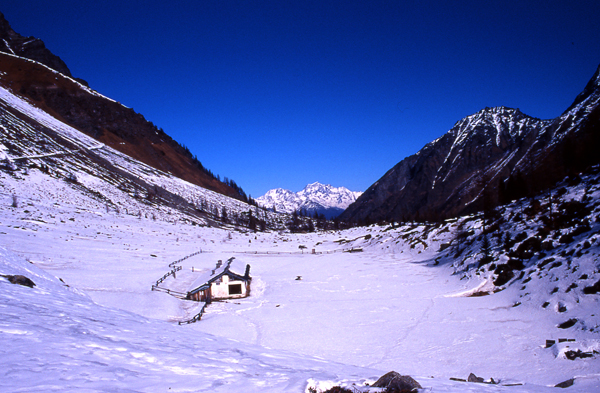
(95, 230)
(312, 320)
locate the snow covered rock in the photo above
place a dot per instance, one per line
(565, 384)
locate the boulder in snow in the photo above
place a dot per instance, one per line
(565, 384)
(474, 378)
(393, 381)
(19, 279)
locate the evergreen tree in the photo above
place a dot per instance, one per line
(486, 251)
(251, 221)
(224, 217)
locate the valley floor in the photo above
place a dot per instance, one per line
(375, 311)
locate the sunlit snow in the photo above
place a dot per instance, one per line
(317, 315)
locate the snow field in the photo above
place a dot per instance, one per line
(398, 305)
(375, 309)
(56, 340)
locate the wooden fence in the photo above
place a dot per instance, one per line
(184, 258)
(169, 273)
(180, 295)
(177, 294)
(295, 252)
(172, 272)
(196, 318)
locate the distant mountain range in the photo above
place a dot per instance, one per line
(314, 198)
(486, 159)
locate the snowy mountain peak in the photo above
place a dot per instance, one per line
(497, 126)
(314, 198)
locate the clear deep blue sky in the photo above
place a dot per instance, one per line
(284, 93)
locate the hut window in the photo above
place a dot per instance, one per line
(235, 289)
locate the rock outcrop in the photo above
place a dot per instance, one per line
(19, 280)
(29, 47)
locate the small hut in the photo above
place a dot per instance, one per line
(230, 280)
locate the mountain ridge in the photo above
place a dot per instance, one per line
(498, 150)
(314, 198)
(29, 47)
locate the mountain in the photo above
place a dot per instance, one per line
(29, 47)
(61, 140)
(30, 70)
(314, 198)
(42, 158)
(486, 159)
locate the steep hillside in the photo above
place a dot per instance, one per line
(488, 158)
(47, 83)
(105, 120)
(42, 158)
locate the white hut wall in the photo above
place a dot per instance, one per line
(229, 289)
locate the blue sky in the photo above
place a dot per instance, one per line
(284, 93)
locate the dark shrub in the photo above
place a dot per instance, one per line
(582, 228)
(566, 238)
(545, 262)
(338, 389)
(570, 213)
(529, 247)
(520, 237)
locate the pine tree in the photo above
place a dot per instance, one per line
(224, 215)
(486, 251)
